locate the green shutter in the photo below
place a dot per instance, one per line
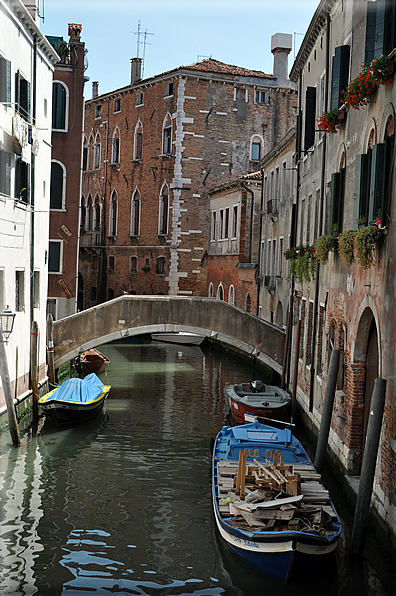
(54, 257)
(24, 98)
(310, 117)
(377, 181)
(56, 190)
(8, 174)
(5, 80)
(339, 75)
(17, 80)
(58, 106)
(335, 192)
(8, 81)
(361, 191)
(380, 28)
(370, 31)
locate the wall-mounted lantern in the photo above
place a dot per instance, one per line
(7, 318)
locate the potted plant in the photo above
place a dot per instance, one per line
(302, 262)
(372, 75)
(330, 121)
(346, 246)
(323, 245)
(62, 48)
(366, 238)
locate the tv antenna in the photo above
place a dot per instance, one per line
(294, 41)
(144, 43)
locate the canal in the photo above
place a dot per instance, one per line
(122, 504)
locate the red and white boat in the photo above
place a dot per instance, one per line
(263, 401)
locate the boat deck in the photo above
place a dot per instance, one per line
(249, 496)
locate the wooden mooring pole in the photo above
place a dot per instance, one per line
(295, 373)
(285, 352)
(327, 411)
(5, 380)
(360, 522)
(33, 368)
(50, 349)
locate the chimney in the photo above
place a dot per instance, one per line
(281, 45)
(136, 70)
(74, 32)
(95, 89)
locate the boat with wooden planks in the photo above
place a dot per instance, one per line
(270, 505)
(258, 399)
(93, 361)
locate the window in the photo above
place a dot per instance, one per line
(57, 188)
(89, 221)
(83, 213)
(2, 296)
(22, 95)
(283, 182)
(380, 29)
(164, 210)
(337, 201)
(22, 179)
(5, 80)
(260, 97)
(210, 291)
(167, 136)
(214, 223)
(117, 105)
(5, 173)
(248, 303)
(220, 292)
(370, 184)
(234, 221)
(96, 222)
(168, 89)
(110, 293)
(221, 224)
(133, 265)
(113, 215)
(55, 256)
(59, 106)
(115, 147)
(135, 213)
(231, 293)
(160, 266)
(111, 266)
(138, 144)
(97, 150)
(339, 75)
(310, 117)
(280, 258)
(240, 94)
(19, 291)
(98, 111)
(139, 99)
(255, 148)
(36, 295)
(226, 222)
(85, 155)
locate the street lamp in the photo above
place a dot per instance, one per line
(7, 318)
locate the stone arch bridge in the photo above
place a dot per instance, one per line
(128, 316)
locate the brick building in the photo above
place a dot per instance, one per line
(65, 188)
(152, 150)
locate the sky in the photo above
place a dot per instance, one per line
(177, 32)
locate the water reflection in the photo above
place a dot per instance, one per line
(122, 504)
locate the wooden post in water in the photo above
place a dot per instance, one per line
(327, 411)
(295, 375)
(50, 348)
(360, 522)
(285, 352)
(33, 368)
(5, 380)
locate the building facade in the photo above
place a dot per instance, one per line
(152, 151)
(345, 193)
(26, 66)
(66, 163)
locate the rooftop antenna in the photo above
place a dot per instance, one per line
(294, 41)
(144, 43)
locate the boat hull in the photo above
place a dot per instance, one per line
(181, 337)
(261, 405)
(64, 413)
(93, 361)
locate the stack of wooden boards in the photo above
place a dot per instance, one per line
(273, 496)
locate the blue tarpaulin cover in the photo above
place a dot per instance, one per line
(79, 390)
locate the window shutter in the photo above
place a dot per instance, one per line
(298, 132)
(335, 202)
(5, 80)
(17, 77)
(24, 98)
(5, 173)
(377, 181)
(54, 257)
(58, 106)
(380, 27)
(56, 189)
(8, 81)
(370, 31)
(310, 105)
(361, 191)
(340, 75)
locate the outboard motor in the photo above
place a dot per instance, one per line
(257, 386)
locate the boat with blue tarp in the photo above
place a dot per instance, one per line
(270, 505)
(76, 400)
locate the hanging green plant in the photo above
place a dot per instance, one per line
(324, 245)
(302, 262)
(346, 246)
(365, 240)
(330, 121)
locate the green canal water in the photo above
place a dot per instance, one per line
(122, 504)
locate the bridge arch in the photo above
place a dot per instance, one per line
(128, 316)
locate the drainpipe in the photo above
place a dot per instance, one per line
(32, 183)
(322, 191)
(102, 266)
(259, 242)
